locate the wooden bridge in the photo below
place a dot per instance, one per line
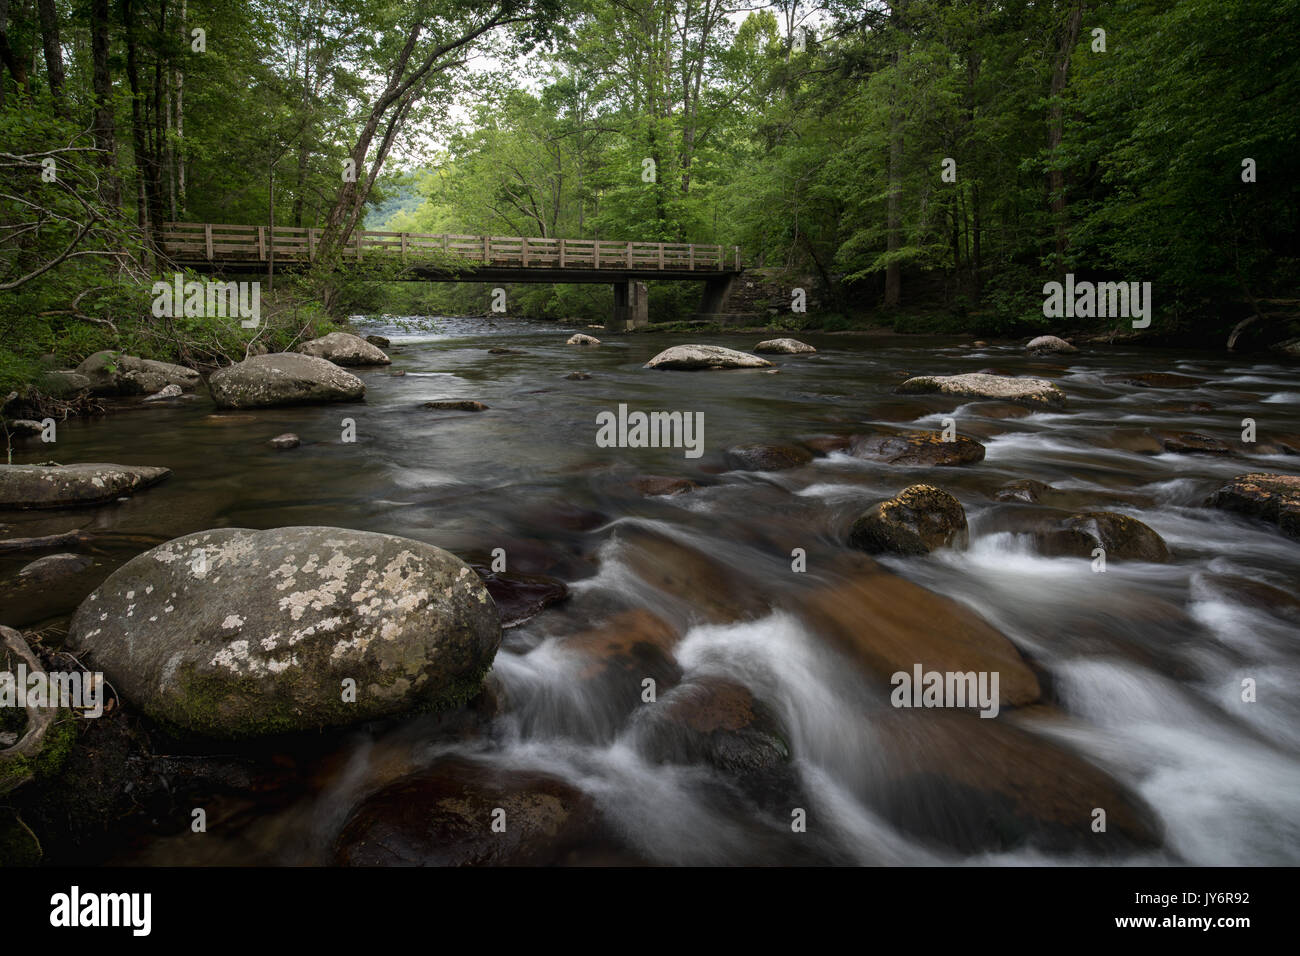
(463, 258)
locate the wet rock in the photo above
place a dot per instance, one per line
(498, 350)
(53, 568)
(760, 457)
(444, 816)
(284, 442)
(826, 445)
(283, 378)
(233, 633)
(378, 341)
(1250, 593)
(520, 597)
(1123, 538)
(784, 347)
(344, 348)
(1191, 443)
(113, 373)
(456, 405)
(715, 721)
(170, 391)
(1154, 380)
(998, 410)
(578, 376)
(397, 373)
(1025, 490)
(1137, 440)
(707, 586)
(918, 448)
(973, 785)
(656, 486)
(888, 624)
(1031, 392)
(916, 521)
(1049, 343)
(979, 344)
(696, 357)
(24, 487)
(579, 338)
(1269, 497)
(622, 652)
(63, 382)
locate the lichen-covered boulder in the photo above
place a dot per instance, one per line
(283, 378)
(696, 357)
(112, 373)
(784, 347)
(916, 521)
(233, 633)
(1049, 343)
(918, 448)
(1271, 498)
(581, 338)
(1033, 392)
(344, 348)
(30, 487)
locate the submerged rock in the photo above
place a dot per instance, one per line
(283, 378)
(1154, 380)
(378, 341)
(444, 816)
(580, 338)
(1192, 443)
(1032, 392)
(53, 568)
(520, 597)
(233, 632)
(918, 448)
(1025, 490)
(1049, 343)
(112, 373)
(655, 486)
(827, 444)
(344, 348)
(918, 520)
(456, 405)
(784, 347)
(1123, 538)
(696, 357)
(170, 391)
(25, 487)
(284, 442)
(1269, 497)
(578, 376)
(760, 457)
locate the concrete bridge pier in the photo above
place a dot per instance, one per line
(716, 292)
(631, 307)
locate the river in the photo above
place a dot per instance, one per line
(1140, 667)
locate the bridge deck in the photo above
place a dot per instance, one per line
(522, 258)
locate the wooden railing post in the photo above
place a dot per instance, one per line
(524, 253)
(629, 255)
(207, 238)
(692, 258)
(561, 253)
(311, 244)
(661, 255)
(404, 235)
(359, 245)
(261, 243)
(487, 250)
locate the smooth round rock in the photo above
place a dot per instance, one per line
(283, 378)
(344, 348)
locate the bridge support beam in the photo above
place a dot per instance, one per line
(631, 307)
(716, 292)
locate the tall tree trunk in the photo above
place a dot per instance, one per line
(11, 59)
(180, 121)
(102, 84)
(893, 205)
(1056, 127)
(53, 52)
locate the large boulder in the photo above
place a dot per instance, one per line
(233, 633)
(918, 520)
(1271, 498)
(64, 382)
(344, 348)
(918, 448)
(1032, 392)
(27, 487)
(112, 373)
(283, 378)
(445, 816)
(581, 338)
(695, 357)
(1121, 537)
(1049, 343)
(784, 347)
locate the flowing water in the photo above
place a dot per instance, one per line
(1140, 667)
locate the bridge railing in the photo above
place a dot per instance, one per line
(217, 242)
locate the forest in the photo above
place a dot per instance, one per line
(928, 164)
